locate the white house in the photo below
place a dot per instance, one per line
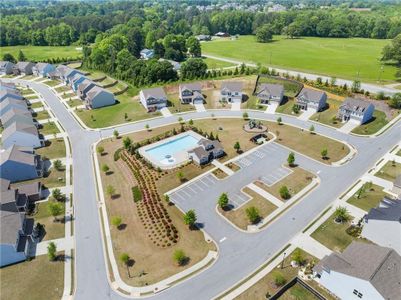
(357, 110)
(382, 225)
(153, 99)
(43, 69)
(191, 93)
(362, 271)
(231, 91)
(21, 134)
(268, 93)
(309, 99)
(206, 151)
(147, 54)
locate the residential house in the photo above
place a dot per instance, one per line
(382, 225)
(20, 134)
(84, 87)
(356, 110)
(268, 93)
(206, 151)
(176, 65)
(8, 87)
(310, 99)
(397, 186)
(231, 91)
(69, 74)
(10, 94)
(362, 271)
(191, 93)
(99, 97)
(43, 69)
(23, 68)
(22, 197)
(222, 34)
(18, 164)
(203, 37)
(153, 99)
(6, 67)
(10, 103)
(147, 54)
(16, 115)
(76, 80)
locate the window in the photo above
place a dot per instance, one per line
(360, 295)
(355, 292)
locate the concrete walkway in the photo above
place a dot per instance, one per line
(200, 107)
(62, 244)
(166, 112)
(388, 185)
(265, 195)
(310, 245)
(222, 167)
(236, 106)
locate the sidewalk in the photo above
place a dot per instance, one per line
(222, 167)
(310, 245)
(62, 244)
(265, 195)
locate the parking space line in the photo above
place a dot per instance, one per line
(185, 192)
(201, 182)
(178, 195)
(210, 178)
(195, 185)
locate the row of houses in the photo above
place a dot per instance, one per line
(365, 270)
(18, 162)
(26, 68)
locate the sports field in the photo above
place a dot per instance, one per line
(342, 58)
(38, 53)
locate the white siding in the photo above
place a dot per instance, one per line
(384, 233)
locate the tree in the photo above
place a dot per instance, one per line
(21, 56)
(298, 257)
(116, 134)
(193, 68)
(181, 176)
(194, 47)
(361, 192)
(180, 120)
(55, 209)
(312, 129)
(110, 191)
(279, 120)
(264, 34)
(179, 257)
(190, 218)
(147, 127)
(284, 192)
(291, 159)
(191, 122)
(324, 153)
(245, 116)
(393, 50)
(223, 200)
(127, 143)
(125, 259)
(279, 280)
(9, 57)
(105, 168)
(52, 251)
(356, 86)
(341, 214)
(100, 150)
(116, 221)
(253, 214)
(167, 199)
(395, 101)
(58, 165)
(58, 195)
(237, 146)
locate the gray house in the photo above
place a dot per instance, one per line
(16, 115)
(6, 67)
(382, 225)
(84, 87)
(22, 197)
(43, 69)
(357, 110)
(268, 93)
(23, 68)
(18, 164)
(153, 99)
(362, 271)
(231, 91)
(20, 134)
(9, 94)
(310, 99)
(8, 87)
(206, 151)
(99, 97)
(191, 93)
(10, 103)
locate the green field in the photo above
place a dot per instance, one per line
(342, 58)
(217, 64)
(38, 53)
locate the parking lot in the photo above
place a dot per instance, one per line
(275, 175)
(257, 155)
(195, 187)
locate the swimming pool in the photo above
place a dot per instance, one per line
(167, 152)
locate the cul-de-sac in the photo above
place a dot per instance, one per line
(201, 150)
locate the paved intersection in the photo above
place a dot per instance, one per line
(239, 253)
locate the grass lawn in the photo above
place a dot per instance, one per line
(40, 53)
(295, 182)
(329, 114)
(370, 199)
(52, 82)
(291, 89)
(133, 238)
(49, 128)
(267, 283)
(389, 171)
(115, 114)
(68, 95)
(378, 121)
(53, 229)
(37, 104)
(74, 102)
(42, 279)
(32, 97)
(175, 104)
(63, 88)
(41, 115)
(239, 217)
(286, 108)
(27, 91)
(217, 64)
(55, 148)
(297, 291)
(333, 235)
(338, 57)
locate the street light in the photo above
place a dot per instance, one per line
(282, 262)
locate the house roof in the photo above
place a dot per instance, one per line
(3, 64)
(69, 71)
(4, 184)
(147, 51)
(355, 104)
(11, 223)
(77, 76)
(8, 85)
(195, 86)
(19, 127)
(24, 64)
(380, 266)
(16, 118)
(15, 153)
(311, 94)
(96, 90)
(62, 69)
(30, 188)
(199, 152)
(41, 66)
(13, 112)
(12, 101)
(10, 94)
(275, 90)
(157, 92)
(232, 85)
(84, 84)
(388, 210)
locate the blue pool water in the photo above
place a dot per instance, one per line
(170, 148)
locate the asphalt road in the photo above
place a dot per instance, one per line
(240, 253)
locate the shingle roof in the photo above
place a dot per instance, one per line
(195, 86)
(41, 66)
(380, 266)
(157, 92)
(199, 152)
(355, 104)
(12, 101)
(96, 90)
(14, 153)
(232, 85)
(84, 84)
(12, 112)
(19, 127)
(23, 64)
(11, 224)
(10, 94)
(274, 90)
(389, 210)
(311, 94)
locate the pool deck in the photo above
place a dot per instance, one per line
(180, 157)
